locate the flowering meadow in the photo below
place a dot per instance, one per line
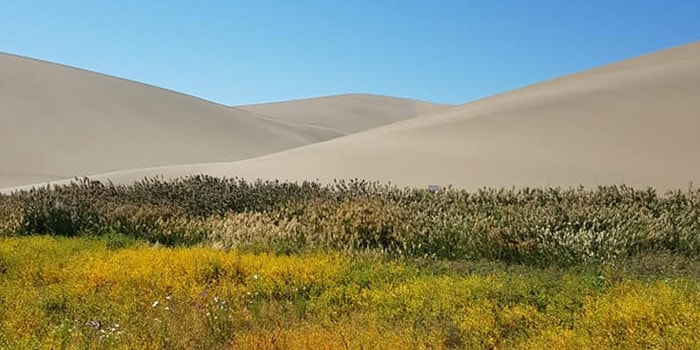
(205, 263)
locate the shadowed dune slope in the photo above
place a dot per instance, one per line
(344, 114)
(58, 122)
(635, 122)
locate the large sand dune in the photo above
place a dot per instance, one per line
(636, 122)
(58, 122)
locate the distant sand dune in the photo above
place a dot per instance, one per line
(635, 122)
(58, 122)
(345, 114)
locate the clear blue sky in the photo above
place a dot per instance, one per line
(237, 52)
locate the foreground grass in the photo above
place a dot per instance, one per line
(92, 293)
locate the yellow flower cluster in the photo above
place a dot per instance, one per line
(58, 293)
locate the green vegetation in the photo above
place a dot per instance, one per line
(210, 263)
(542, 227)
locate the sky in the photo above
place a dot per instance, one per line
(243, 52)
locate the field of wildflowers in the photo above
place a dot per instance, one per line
(79, 293)
(204, 263)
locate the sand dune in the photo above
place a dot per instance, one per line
(58, 122)
(344, 114)
(635, 122)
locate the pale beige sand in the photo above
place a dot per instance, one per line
(344, 114)
(58, 122)
(636, 122)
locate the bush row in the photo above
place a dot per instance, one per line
(540, 226)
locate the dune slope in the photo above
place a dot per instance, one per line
(635, 122)
(58, 122)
